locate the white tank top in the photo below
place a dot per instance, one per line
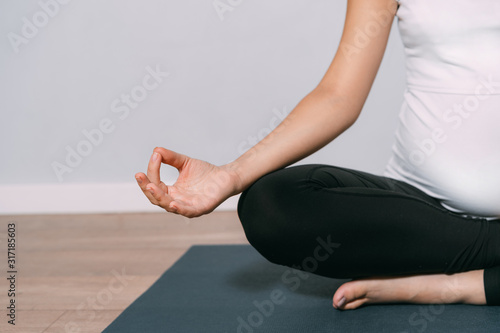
(448, 139)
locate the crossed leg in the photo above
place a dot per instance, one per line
(396, 242)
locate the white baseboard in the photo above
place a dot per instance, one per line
(81, 199)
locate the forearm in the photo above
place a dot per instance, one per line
(316, 120)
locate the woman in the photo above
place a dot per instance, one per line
(427, 231)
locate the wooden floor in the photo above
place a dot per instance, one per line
(77, 273)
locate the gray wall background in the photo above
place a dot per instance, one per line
(227, 79)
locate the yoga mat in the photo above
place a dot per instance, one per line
(231, 288)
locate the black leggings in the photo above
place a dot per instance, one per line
(343, 223)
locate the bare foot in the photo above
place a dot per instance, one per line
(466, 287)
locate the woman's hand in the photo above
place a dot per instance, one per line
(199, 189)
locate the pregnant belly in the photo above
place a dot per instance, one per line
(452, 141)
(468, 183)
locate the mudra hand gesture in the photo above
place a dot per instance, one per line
(199, 189)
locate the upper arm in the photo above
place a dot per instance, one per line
(364, 39)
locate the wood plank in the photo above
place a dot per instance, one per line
(79, 272)
(30, 321)
(83, 321)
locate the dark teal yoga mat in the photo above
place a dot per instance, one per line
(231, 288)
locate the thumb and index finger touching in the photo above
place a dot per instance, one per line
(172, 158)
(166, 156)
(151, 185)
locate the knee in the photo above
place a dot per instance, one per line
(263, 215)
(255, 209)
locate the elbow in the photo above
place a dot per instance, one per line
(348, 118)
(352, 117)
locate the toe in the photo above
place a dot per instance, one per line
(354, 304)
(349, 296)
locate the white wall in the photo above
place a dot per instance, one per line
(228, 75)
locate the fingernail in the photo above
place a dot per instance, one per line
(139, 180)
(341, 302)
(155, 157)
(151, 191)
